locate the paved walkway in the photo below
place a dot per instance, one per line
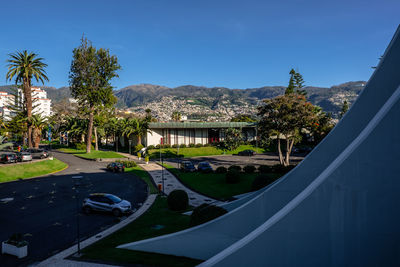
(172, 183)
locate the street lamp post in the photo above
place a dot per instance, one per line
(77, 183)
(130, 144)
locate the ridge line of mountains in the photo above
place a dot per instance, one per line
(330, 99)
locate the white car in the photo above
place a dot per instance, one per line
(106, 202)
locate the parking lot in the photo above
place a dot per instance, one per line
(228, 160)
(44, 209)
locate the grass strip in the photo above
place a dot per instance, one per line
(28, 170)
(158, 220)
(92, 155)
(189, 152)
(145, 176)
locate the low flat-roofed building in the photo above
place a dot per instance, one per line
(173, 133)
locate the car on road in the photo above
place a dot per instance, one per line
(205, 167)
(187, 166)
(38, 153)
(24, 156)
(116, 167)
(8, 158)
(107, 203)
(247, 152)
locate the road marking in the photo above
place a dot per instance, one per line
(6, 200)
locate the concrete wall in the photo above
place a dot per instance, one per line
(154, 137)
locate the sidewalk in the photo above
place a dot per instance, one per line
(172, 183)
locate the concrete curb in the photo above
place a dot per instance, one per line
(58, 259)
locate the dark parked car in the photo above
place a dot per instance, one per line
(8, 158)
(106, 202)
(116, 167)
(247, 152)
(38, 153)
(24, 156)
(187, 166)
(204, 166)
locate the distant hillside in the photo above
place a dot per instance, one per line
(330, 99)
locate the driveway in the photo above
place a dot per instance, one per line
(44, 209)
(228, 160)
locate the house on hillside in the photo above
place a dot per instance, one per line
(172, 133)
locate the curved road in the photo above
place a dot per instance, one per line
(44, 209)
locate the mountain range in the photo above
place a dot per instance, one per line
(330, 99)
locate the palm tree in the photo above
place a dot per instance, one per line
(24, 66)
(176, 116)
(38, 123)
(141, 130)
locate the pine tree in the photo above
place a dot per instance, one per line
(345, 108)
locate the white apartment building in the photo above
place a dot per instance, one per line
(40, 103)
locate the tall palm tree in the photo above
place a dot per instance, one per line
(141, 130)
(24, 66)
(38, 124)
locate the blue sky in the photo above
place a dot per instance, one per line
(235, 44)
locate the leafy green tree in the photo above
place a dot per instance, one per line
(176, 116)
(291, 86)
(344, 109)
(24, 66)
(244, 118)
(91, 73)
(232, 139)
(282, 118)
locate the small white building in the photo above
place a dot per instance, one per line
(194, 132)
(6, 100)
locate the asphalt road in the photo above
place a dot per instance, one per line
(44, 209)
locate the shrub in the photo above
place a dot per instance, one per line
(147, 158)
(192, 145)
(205, 145)
(221, 169)
(174, 146)
(138, 147)
(127, 163)
(151, 147)
(264, 169)
(199, 145)
(17, 240)
(205, 213)
(158, 146)
(182, 146)
(249, 168)
(82, 146)
(235, 168)
(278, 168)
(261, 181)
(167, 146)
(178, 200)
(232, 177)
(139, 155)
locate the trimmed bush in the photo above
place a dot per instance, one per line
(158, 146)
(221, 169)
(151, 147)
(249, 169)
(192, 145)
(178, 200)
(127, 163)
(138, 147)
(278, 168)
(174, 146)
(167, 146)
(261, 181)
(232, 177)
(205, 213)
(265, 169)
(235, 168)
(199, 145)
(182, 146)
(82, 146)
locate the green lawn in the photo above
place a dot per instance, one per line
(189, 152)
(144, 227)
(92, 155)
(214, 184)
(28, 170)
(145, 176)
